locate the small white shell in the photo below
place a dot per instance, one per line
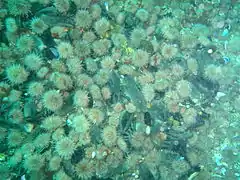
(93, 154)
(219, 95)
(148, 130)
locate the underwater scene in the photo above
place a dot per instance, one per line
(119, 89)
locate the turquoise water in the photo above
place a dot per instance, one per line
(119, 89)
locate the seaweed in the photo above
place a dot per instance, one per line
(78, 155)
(147, 46)
(202, 86)
(132, 91)
(29, 109)
(177, 141)
(148, 120)
(114, 85)
(95, 134)
(158, 111)
(126, 122)
(144, 172)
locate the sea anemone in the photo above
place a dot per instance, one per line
(42, 72)
(25, 43)
(65, 50)
(140, 58)
(18, 7)
(82, 49)
(35, 89)
(102, 26)
(115, 158)
(91, 65)
(152, 159)
(89, 36)
(96, 116)
(146, 78)
(84, 169)
(148, 92)
(142, 15)
(130, 107)
(102, 76)
(33, 61)
(62, 5)
(15, 95)
(170, 33)
(84, 81)
(108, 63)
(16, 74)
(65, 147)
(61, 175)
(34, 162)
(74, 65)
(81, 98)
(213, 72)
(101, 47)
(172, 97)
(52, 100)
(122, 144)
(162, 80)
(82, 4)
(58, 134)
(118, 40)
(183, 88)
(28, 148)
(169, 51)
(177, 71)
(137, 140)
(58, 66)
(54, 163)
(15, 116)
(14, 160)
(121, 18)
(15, 138)
(189, 116)
(80, 123)
(126, 69)
(42, 141)
(53, 122)
(61, 81)
(106, 93)
(38, 26)
(95, 92)
(137, 36)
(188, 40)
(109, 136)
(96, 11)
(83, 19)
